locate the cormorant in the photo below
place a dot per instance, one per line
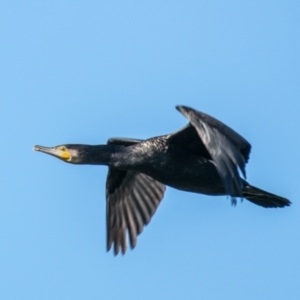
(203, 157)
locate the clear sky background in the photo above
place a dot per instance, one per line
(84, 71)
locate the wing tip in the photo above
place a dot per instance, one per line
(182, 108)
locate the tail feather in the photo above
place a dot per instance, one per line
(263, 198)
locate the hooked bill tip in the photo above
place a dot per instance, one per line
(37, 148)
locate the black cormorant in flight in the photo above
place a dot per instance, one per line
(203, 157)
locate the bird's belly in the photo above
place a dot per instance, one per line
(197, 183)
(192, 175)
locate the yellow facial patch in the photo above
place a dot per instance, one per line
(65, 154)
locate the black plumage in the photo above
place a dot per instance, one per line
(203, 157)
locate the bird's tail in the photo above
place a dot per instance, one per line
(263, 198)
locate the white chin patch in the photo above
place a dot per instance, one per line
(74, 155)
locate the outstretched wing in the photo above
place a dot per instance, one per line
(227, 148)
(131, 200)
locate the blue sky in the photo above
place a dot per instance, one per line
(81, 72)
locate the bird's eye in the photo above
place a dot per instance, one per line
(63, 148)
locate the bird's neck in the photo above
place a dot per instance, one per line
(102, 154)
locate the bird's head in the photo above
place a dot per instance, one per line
(70, 153)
